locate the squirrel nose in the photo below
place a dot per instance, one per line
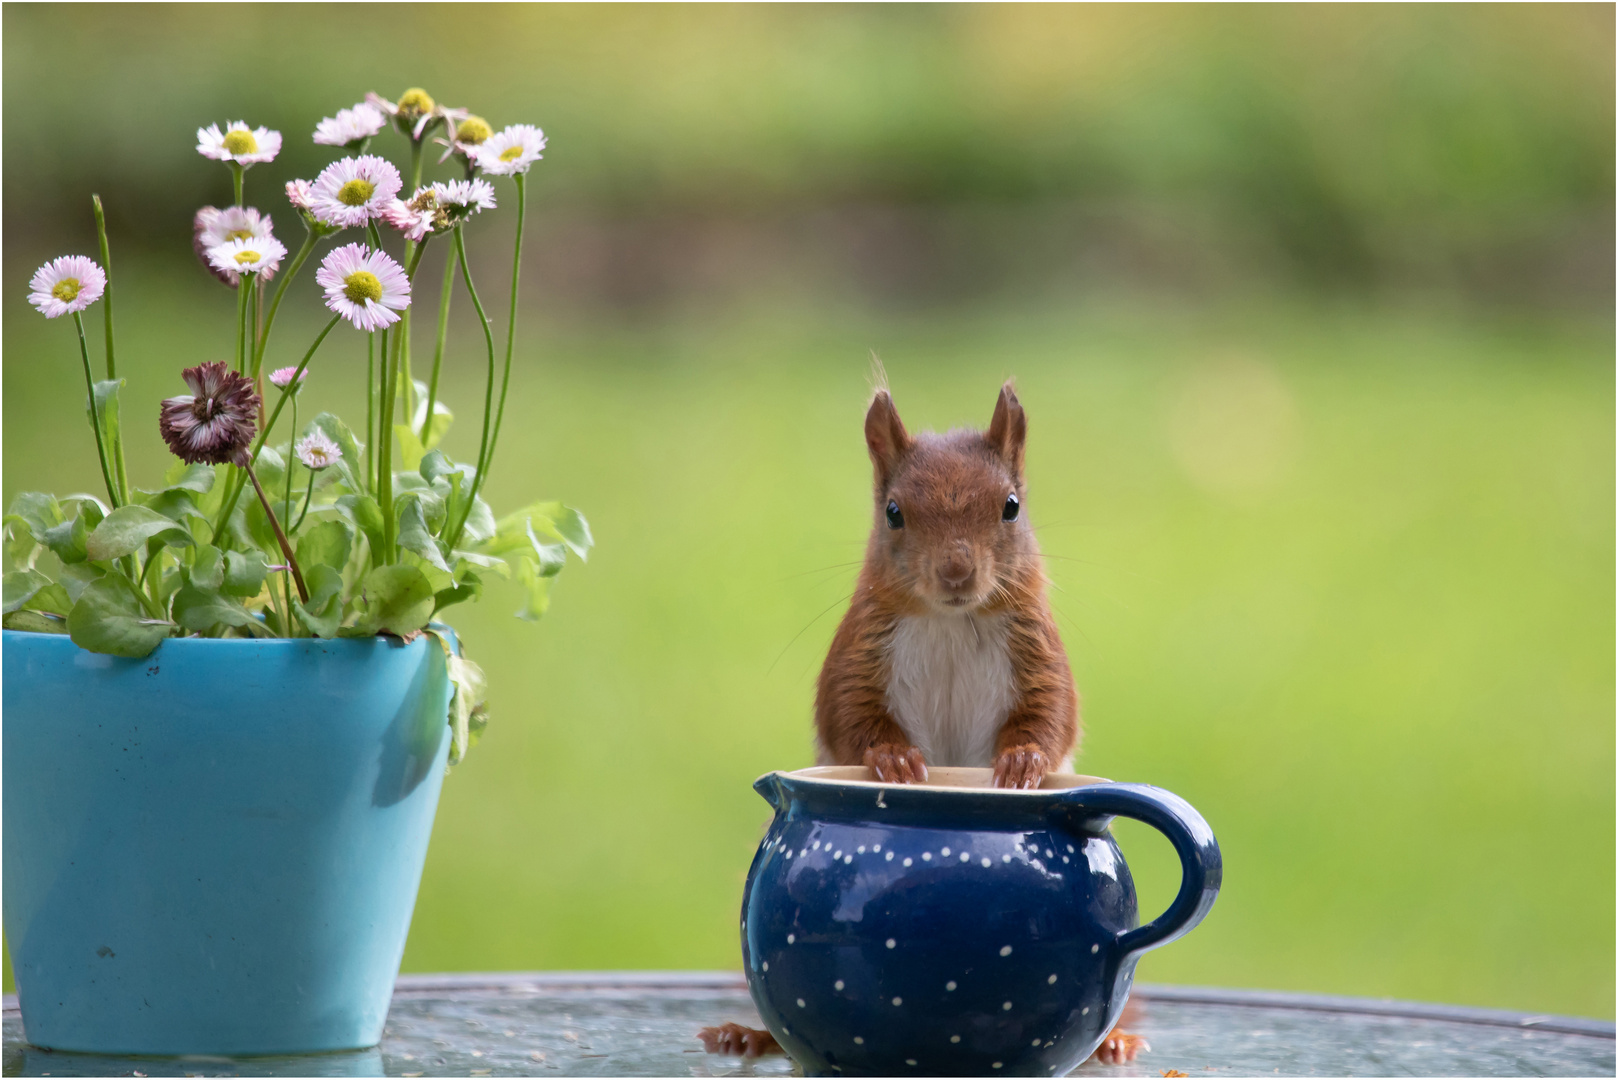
(956, 571)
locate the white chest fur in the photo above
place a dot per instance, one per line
(951, 685)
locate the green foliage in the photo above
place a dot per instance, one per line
(110, 616)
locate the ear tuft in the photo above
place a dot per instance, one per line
(1008, 429)
(885, 437)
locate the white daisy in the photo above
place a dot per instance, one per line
(317, 450)
(350, 127)
(213, 227)
(238, 143)
(363, 286)
(470, 134)
(251, 255)
(465, 197)
(418, 217)
(416, 111)
(65, 285)
(511, 151)
(354, 190)
(281, 376)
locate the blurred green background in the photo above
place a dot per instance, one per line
(1312, 312)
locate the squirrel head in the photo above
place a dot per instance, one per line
(951, 527)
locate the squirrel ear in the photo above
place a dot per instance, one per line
(885, 436)
(1008, 430)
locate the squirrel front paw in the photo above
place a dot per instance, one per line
(1121, 1048)
(1020, 767)
(734, 1040)
(894, 764)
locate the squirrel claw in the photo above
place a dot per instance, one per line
(1120, 1048)
(1020, 767)
(895, 764)
(735, 1040)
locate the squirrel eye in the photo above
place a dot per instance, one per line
(1009, 512)
(896, 520)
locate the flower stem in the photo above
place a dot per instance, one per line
(95, 414)
(438, 350)
(308, 497)
(488, 390)
(292, 456)
(244, 285)
(370, 411)
(511, 326)
(237, 172)
(384, 452)
(280, 538)
(291, 272)
(236, 493)
(106, 314)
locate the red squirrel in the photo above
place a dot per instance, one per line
(948, 653)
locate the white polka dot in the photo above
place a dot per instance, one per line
(892, 943)
(1064, 858)
(860, 850)
(1095, 948)
(1006, 1006)
(944, 852)
(966, 856)
(910, 1061)
(950, 985)
(838, 985)
(858, 1041)
(1035, 1042)
(848, 858)
(954, 1038)
(816, 845)
(898, 1001)
(791, 938)
(1005, 950)
(987, 863)
(876, 847)
(1005, 858)
(1051, 980)
(1037, 864)
(996, 1065)
(888, 856)
(926, 856)
(1085, 1011)
(801, 1003)
(1049, 854)
(908, 861)
(766, 965)
(837, 855)
(1070, 849)
(802, 852)
(789, 854)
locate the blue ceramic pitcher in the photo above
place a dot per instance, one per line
(950, 928)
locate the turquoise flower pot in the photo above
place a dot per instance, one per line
(216, 849)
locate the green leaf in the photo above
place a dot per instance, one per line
(470, 690)
(21, 586)
(76, 577)
(110, 618)
(207, 567)
(271, 470)
(36, 510)
(410, 449)
(366, 515)
(323, 614)
(197, 478)
(537, 590)
(200, 609)
(414, 535)
(470, 587)
(327, 544)
(244, 573)
(442, 417)
(395, 598)
(35, 622)
(127, 528)
(176, 504)
(479, 523)
(106, 416)
(337, 431)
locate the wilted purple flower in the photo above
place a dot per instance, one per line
(214, 424)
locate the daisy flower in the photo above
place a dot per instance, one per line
(350, 127)
(251, 256)
(317, 450)
(300, 194)
(213, 424)
(213, 227)
(511, 151)
(363, 286)
(238, 143)
(66, 285)
(463, 198)
(354, 190)
(418, 217)
(470, 134)
(281, 376)
(416, 111)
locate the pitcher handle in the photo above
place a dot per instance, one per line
(1200, 863)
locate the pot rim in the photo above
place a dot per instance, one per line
(189, 642)
(958, 780)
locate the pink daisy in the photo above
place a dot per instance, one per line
(66, 285)
(354, 190)
(363, 286)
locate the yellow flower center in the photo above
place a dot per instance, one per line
(239, 234)
(241, 142)
(362, 285)
(415, 101)
(66, 289)
(511, 153)
(247, 258)
(356, 192)
(474, 130)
